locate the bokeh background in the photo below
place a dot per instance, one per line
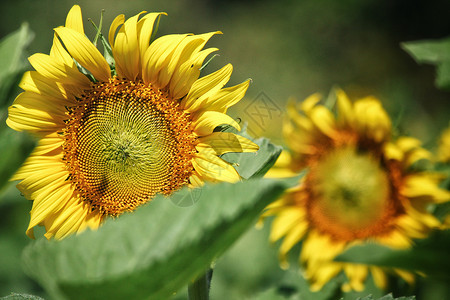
(288, 49)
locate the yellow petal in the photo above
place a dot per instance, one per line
(92, 220)
(118, 21)
(180, 55)
(395, 239)
(371, 119)
(49, 203)
(74, 19)
(29, 113)
(206, 87)
(293, 236)
(60, 54)
(85, 53)
(34, 82)
(357, 275)
(195, 180)
(324, 120)
(379, 277)
(406, 143)
(52, 69)
(145, 30)
(407, 276)
(391, 151)
(126, 49)
(310, 102)
(187, 63)
(72, 223)
(187, 73)
(48, 144)
(322, 274)
(213, 168)
(416, 155)
(346, 116)
(224, 142)
(226, 97)
(285, 221)
(156, 56)
(422, 185)
(205, 122)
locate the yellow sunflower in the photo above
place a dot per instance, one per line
(109, 144)
(359, 187)
(444, 146)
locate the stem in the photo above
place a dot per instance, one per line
(199, 289)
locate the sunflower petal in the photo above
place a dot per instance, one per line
(205, 122)
(84, 52)
(213, 168)
(145, 31)
(118, 21)
(52, 69)
(224, 142)
(227, 97)
(206, 87)
(74, 19)
(126, 49)
(156, 56)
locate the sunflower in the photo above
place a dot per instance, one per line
(111, 136)
(359, 187)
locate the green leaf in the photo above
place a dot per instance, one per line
(428, 255)
(13, 61)
(15, 296)
(152, 252)
(436, 52)
(253, 165)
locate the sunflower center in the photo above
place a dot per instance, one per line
(349, 195)
(126, 142)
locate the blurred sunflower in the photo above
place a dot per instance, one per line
(359, 187)
(109, 144)
(444, 146)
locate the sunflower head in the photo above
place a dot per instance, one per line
(359, 187)
(113, 135)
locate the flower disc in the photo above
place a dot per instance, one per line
(125, 142)
(350, 195)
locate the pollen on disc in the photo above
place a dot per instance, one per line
(126, 142)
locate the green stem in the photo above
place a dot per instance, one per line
(199, 289)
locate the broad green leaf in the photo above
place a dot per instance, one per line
(436, 52)
(152, 252)
(15, 296)
(13, 61)
(253, 165)
(428, 255)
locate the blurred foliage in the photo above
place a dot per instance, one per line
(436, 53)
(14, 147)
